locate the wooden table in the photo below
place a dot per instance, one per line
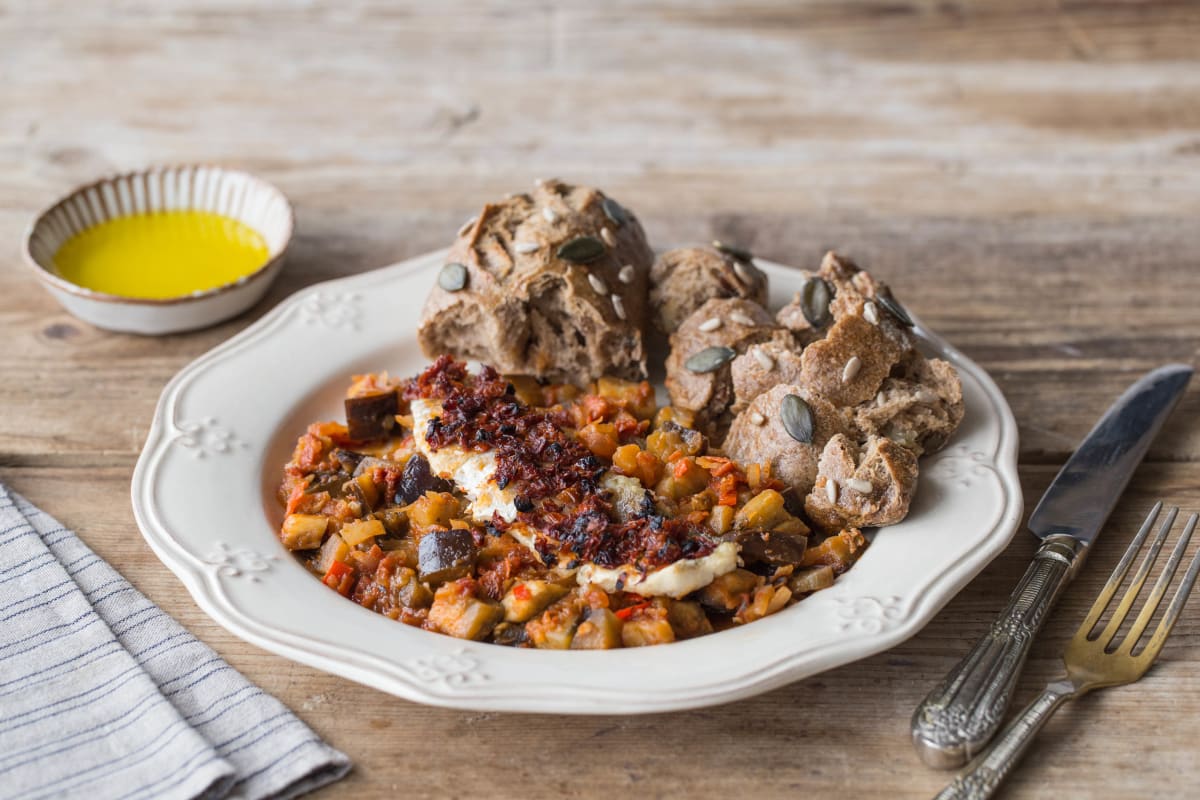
(1026, 174)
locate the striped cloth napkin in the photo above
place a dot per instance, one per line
(102, 695)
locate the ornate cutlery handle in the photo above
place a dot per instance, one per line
(981, 780)
(958, 717)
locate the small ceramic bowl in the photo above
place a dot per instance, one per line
(231, 193)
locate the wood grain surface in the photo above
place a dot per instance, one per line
(1026, 174)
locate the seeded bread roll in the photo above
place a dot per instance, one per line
(760, 435)
(795, 315)
(699, 377)
(861, 488)
(552, 283)
(849, 365)
(762, 366)
(683, 279)
(856, 293)
(919, 404)
(920, 407)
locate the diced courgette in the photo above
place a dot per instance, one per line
(600, 631)
(355, 533)
(527, 599)
(303, 531)
(457, 612)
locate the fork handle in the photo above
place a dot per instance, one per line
(962, 713)
(983, 777)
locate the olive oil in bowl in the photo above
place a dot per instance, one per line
(161, 255)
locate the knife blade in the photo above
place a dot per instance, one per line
(1087, 487)
(962, 713)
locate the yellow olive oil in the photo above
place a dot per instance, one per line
(161, 255)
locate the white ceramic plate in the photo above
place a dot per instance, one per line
(204, 497)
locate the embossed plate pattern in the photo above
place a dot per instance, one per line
(203, 495)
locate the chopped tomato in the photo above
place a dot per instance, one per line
(626, 613)
(596, 407)
(726, 489)
(725, 468)
(295, 497)
(340, 578)
(629, 427)
(310, 451)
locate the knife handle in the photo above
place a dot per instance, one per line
(983, 777)
(958, 717)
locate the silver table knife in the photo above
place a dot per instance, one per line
(958, 717)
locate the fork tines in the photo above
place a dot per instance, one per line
(1139, 579)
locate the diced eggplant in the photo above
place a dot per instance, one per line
(771, 547)
(510, 634)
(794, 526)
(727, 591)
(303, 531)
(418, 479)
(764, 510)
(444, 555)
(367, 464)
(348, 460)
(334, 549)
(600, 631)
(694, 442)
(555, 628)
(527, 599)
(647, 627)
(767, 599)
(404, 551)
(672, 436)
(456, 612)
(812, 579)
(372, 416)
(688, 619)
(395, 521)
(477, 620)
(720, 519)
(408, 589)
(839, 552)
(331, 482)
(362, 489)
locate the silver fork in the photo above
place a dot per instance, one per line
(1089, 663)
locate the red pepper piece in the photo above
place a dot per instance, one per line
(340, 578)
(625, 613)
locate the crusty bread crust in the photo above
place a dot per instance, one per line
(528, 310)
(752, 441)
(683, 279)
(710, 394)
(861, 376)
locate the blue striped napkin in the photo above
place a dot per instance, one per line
(102, 695)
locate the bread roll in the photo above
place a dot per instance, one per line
(552, 283)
